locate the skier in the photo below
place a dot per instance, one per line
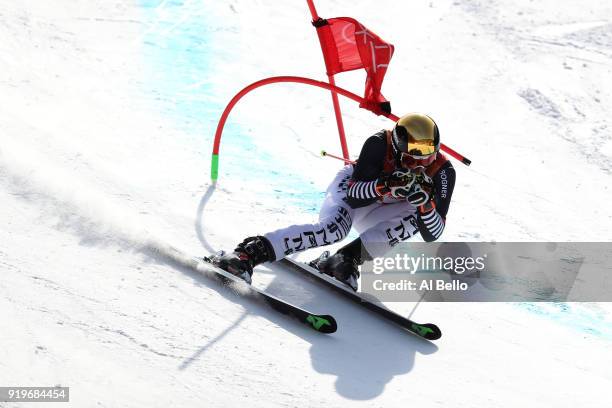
(400, 185)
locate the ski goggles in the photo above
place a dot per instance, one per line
(414, 151)
(419, 148)
(412, 162)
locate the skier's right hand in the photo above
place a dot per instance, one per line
(398, 183)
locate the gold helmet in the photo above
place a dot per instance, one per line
(416, 140)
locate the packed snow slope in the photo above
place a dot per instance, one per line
(107, 112)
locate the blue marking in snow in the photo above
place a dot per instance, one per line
(177, 50)
(581, 317)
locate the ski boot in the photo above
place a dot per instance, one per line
(343, 265)
(249, 253)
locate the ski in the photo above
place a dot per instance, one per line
(321, 323)
(427, 331)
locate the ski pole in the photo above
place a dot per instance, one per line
(333, 156)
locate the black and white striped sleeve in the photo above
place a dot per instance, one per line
(431, 225)
(362, 190)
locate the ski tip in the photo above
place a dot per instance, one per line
(322, 323)
(427, 331)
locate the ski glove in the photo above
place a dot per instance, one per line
(416, 186)
(422, 190)
(398, 183)
(419, 195)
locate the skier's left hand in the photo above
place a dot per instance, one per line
(422, 190)
(420, 194)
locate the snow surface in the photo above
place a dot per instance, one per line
(107, 112)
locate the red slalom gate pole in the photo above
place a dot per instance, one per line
(313, 10)
(339, 122)
(335, 101)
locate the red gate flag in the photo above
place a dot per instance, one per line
(347, 45)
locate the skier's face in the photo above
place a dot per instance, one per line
(410, 162)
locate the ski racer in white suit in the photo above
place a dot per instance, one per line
(401, 185)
